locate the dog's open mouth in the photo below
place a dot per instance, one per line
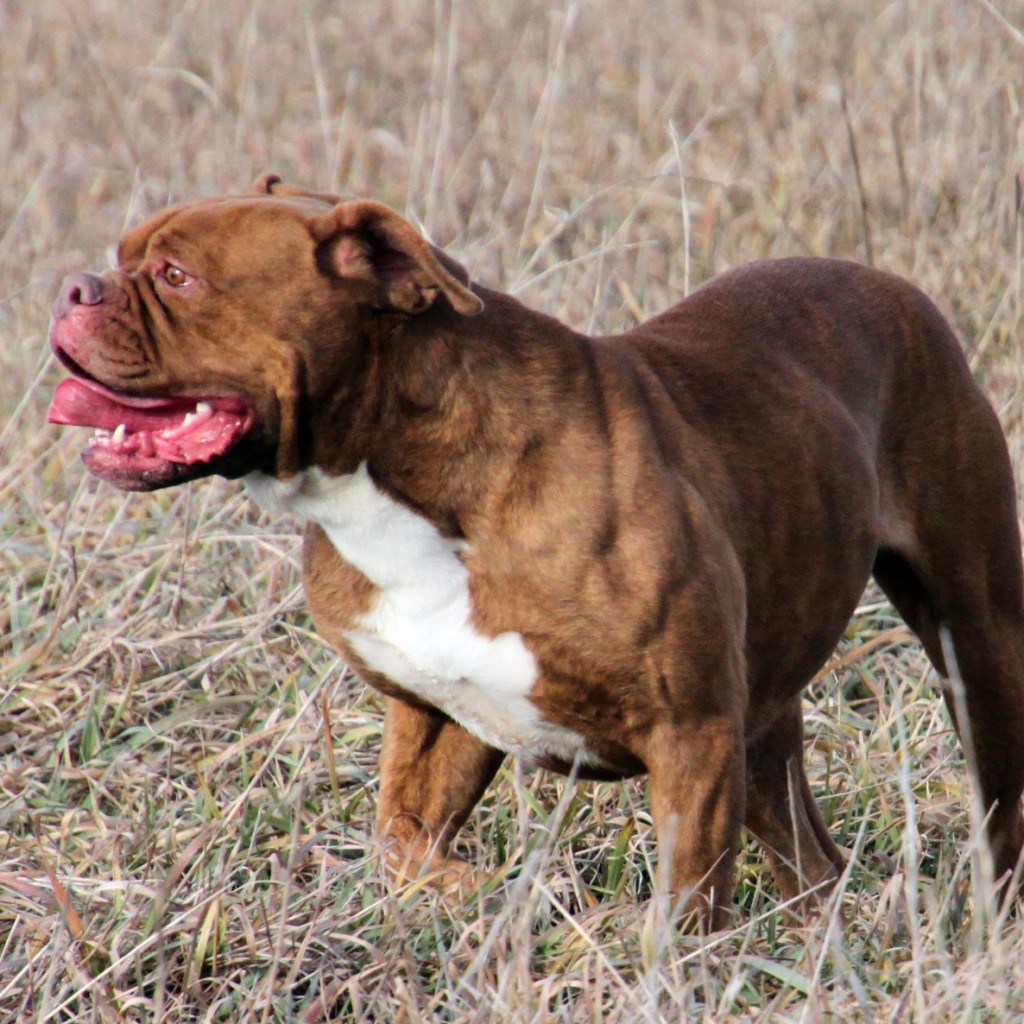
(146, 443)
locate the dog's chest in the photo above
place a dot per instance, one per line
(419, 630)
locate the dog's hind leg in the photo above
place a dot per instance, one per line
(782, 814)
(696, 796)
(987, 661)
(966, 579)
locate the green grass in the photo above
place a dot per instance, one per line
(187, 773)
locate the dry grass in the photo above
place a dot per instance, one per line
(186, 771)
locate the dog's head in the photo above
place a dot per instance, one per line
(224, 319)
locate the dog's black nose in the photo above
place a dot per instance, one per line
(78, 290)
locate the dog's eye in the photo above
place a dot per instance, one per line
(175, 276)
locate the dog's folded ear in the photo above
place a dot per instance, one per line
(270, 184)
(368, 241)
(264, 184)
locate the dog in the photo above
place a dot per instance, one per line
(606, 556)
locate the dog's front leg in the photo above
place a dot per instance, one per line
(432, 774)
(697, 802)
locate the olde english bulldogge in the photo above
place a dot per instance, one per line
(610, 555)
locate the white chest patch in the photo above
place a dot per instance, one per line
(420, 631)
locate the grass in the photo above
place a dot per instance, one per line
(187, 772)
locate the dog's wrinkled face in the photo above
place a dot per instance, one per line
(223, 318)
(154, 346)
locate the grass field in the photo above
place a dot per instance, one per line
(187, 773)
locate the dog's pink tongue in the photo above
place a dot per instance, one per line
(77, 403)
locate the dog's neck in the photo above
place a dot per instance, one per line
(432, 412)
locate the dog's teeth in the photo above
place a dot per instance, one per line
(119, 434)
(190, 418)
(203, 407)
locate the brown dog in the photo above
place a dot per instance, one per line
(623, 554)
